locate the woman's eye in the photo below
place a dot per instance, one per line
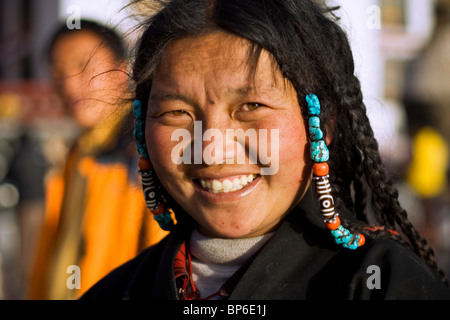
(174, 117)
(177, 113)
(251, 106)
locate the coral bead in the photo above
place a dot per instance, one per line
(362, 240)
(158, 210)
(320, 169)
(144, 164)
(333, 224)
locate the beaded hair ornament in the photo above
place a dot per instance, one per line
(320, 155)
(152, 191)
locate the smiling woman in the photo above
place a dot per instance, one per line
(210, 77)
(279, 66)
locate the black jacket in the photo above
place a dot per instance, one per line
(300, 261)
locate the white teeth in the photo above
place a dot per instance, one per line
(236, 183)
(227, 185)
(216, 185)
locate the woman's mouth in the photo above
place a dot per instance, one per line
(227, 184)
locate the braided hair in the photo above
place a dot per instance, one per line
(314, 54)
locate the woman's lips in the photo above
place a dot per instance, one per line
(227, 188)
(227, 184)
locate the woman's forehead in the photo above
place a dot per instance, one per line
(219, 55)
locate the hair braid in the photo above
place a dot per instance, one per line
(387, 209)
(361, 194)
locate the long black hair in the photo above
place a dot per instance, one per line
(314, 54)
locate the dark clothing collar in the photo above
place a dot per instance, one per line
(300, 261)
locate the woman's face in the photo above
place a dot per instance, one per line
(202, 97)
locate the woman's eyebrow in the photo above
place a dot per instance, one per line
(251, 90)
(170, 96)
(241, 91)
(245, 90)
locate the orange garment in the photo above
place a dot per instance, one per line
(114, 222)
(96, 219)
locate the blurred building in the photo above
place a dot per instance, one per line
(25, 99)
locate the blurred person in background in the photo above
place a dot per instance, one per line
(96, 216)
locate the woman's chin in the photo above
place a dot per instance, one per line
(232, 230)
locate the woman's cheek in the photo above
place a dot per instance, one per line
(294, 155)
(291, 139)
(159, 144)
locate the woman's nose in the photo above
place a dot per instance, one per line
(219, 146)
(222, 149)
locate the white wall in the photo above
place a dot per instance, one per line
(107, 11)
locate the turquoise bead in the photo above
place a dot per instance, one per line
(341, 235)
(137, 110)
(139, 129)
(314, 129)
(164, 220)
(314, 122)
(319, 151)
(313, 104)
(353, 244)
(345, 238)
